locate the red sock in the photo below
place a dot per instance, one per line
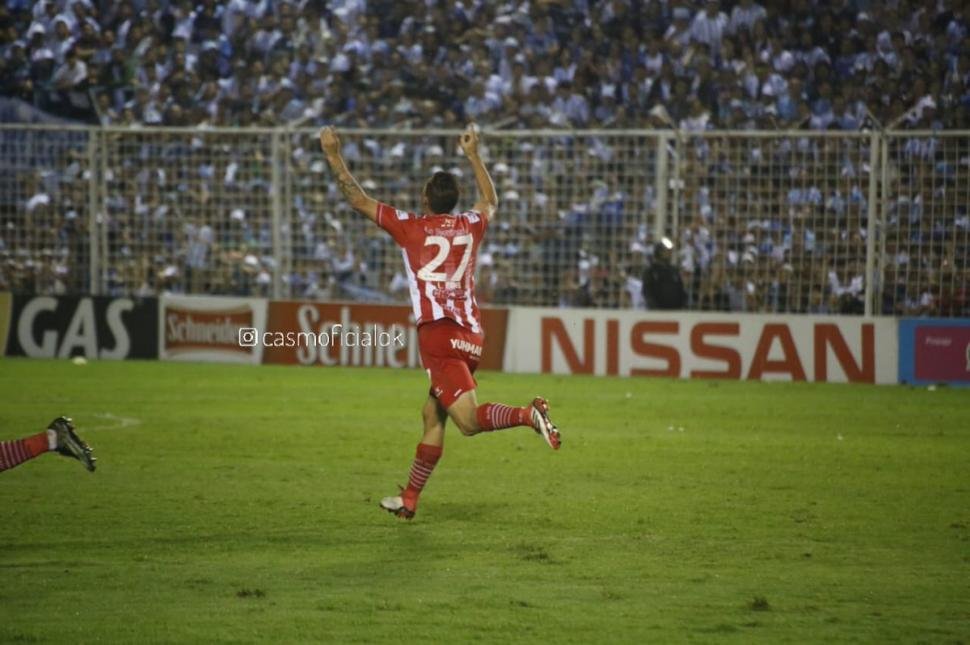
(495, 416)
(425, 459)
(14, 453)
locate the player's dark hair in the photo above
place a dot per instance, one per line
(442, 191)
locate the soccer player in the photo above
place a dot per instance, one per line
(440, 249)
(59, 437)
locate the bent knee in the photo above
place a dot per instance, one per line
(467, 428)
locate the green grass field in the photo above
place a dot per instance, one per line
(239, 504)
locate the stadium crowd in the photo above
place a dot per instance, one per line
(551, 63)
(778, 227)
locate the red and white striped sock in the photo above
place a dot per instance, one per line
(496, 416)
(14, 453)
(425, 459)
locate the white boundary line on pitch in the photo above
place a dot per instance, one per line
(119, 422)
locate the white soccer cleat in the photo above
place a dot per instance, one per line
(397, 506)
(543, 425)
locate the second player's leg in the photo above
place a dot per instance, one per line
(59, 437)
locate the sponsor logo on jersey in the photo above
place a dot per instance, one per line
(449, 293)
(465, 346)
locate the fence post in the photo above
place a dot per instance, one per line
(681, 150)
(102, 215)
(94, 268)
(871, 280)
(276, 208)
(883, 200)
(286, 210)
(662, 180)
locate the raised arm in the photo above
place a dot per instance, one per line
(355, 195)
(487, 199)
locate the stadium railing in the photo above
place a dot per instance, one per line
(816, 222)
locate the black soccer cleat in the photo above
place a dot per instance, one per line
(71, 445)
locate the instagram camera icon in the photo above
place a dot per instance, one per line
(248, 336)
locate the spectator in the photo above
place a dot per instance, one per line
(745, 15)
(663, 287)
(709, 26)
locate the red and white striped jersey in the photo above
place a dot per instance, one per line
(440, 252)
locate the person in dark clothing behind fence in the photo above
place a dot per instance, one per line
(663, 287)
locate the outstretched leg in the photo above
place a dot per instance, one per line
(13, 453)
(425, 459)
(472, 418)
(59, 437)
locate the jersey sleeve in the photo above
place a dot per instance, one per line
(486, 219)
(477, 223)
(394, 221)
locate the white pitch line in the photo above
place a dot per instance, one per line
(117, 422)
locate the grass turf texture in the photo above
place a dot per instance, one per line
(238, 504)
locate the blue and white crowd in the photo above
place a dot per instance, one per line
(549, 63)
(758, 231)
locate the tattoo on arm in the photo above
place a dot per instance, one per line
(347, 184)
(349, 187)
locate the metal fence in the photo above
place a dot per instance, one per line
(762, 221)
